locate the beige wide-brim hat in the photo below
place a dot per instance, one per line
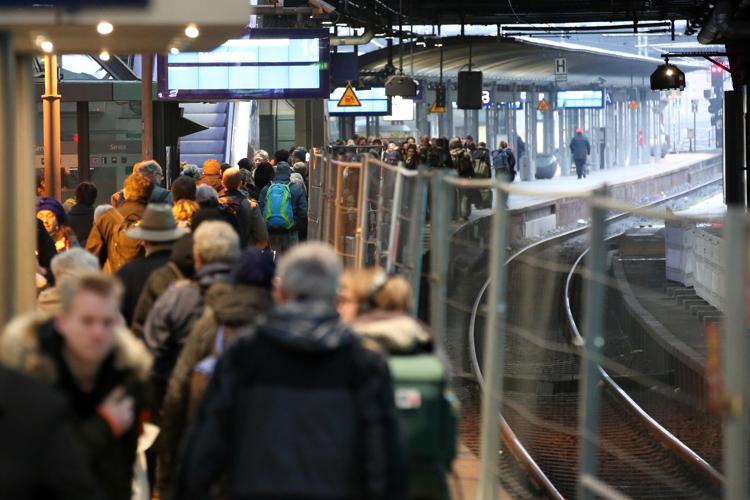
(157, 225)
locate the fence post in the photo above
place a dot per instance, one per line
(439, 243)
(393, 232)
(735, 350)
(593, 331)
(494, 353)
(419, 211)
(364, 215)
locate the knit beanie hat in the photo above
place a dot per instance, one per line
(254, 267)
(54, 206)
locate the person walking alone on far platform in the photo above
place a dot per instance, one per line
(580, 148)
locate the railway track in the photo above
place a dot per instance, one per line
(638, 456)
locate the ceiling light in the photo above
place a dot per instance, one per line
(326, 23)
(191, 31)
(667, 77)
(47, 46)
(379, 35)
(174, 51)
(104, 28)
(104, 55)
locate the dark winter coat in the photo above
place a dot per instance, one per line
(251, 223)
(40, 458)
(45, 248)
(299, 199)
(134, 275)
(172, 318)
(296, 408)
(180, 266)
(31, 344)
(213, 180)
(101, 241)
(213, 211)
(580, 147)
(80, 220)
(232, 306)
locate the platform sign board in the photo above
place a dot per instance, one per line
(561, 69)
(580, 99)
(266, 63)
(373, 102)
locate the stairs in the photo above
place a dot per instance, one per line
(212, 143)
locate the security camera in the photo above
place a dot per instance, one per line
(321, 7)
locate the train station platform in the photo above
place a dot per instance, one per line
(557, 203)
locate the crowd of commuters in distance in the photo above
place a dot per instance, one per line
(468, 158)
(187, 345)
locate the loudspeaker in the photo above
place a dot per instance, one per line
(469, 90)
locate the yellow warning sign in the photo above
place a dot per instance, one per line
(633, 104)
(437, 109)
(349, 99)
(543, 105)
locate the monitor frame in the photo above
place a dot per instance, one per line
(355, 112)
(321, 92)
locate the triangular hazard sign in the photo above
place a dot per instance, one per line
(349, 99)
(543, 105)
(437, 109)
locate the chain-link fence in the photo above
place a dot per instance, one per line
(612, 351)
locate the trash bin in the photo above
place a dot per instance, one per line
(546, 166)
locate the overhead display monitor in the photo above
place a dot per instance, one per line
(264, 64)
(374, 103)
(577, 99)
(402, 109)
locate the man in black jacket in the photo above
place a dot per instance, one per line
(157, 232)
(97, 365)
(249, 218)
(298, 407)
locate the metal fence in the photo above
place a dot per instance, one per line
(602, 368)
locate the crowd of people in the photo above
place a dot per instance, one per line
(187, 344)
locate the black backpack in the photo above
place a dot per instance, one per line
(124, 248)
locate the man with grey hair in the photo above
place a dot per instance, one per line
(300, 395)
(215, 247)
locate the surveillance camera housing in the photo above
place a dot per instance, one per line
(400, 85)
(667, 77)
(322, 7)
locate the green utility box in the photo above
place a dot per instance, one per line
(428, 420)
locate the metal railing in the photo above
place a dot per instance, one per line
(409, 221)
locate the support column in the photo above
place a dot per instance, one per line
(147, 107)
(310, 123)
(51, 117)
(17, 262)
(84, 150)
(734, 143)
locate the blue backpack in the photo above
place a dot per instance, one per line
(279, 213)
(500, 160)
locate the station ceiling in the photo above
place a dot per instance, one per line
(518, 11)
(509, 60)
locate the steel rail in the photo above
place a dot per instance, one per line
(509, 437)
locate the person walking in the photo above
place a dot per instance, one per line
(97, 365)
(108, 239)
(580, 148)
(215, 247)
(157, 233)
(252, 226)
(55, 220)
(211, 174)
(183, 194)
(39, 458)
(284, 208)
(74, 262)
(81, 215)
(297, 407)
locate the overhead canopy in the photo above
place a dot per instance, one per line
(523, 61)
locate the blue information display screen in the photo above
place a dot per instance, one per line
(265, 64)
(374, 102)
(571, 99)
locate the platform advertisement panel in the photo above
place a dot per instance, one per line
(580, 99)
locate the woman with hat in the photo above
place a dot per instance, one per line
(53, 216)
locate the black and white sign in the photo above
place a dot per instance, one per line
(561, 69)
